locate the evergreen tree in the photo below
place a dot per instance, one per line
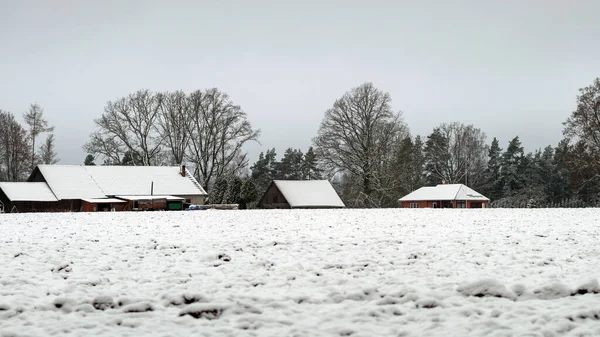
(310, 168)
(290, 166)
(234, 191)
(561, 179)
(219, 190)
(547, 172)
(512, 166)
(249, 194)
(418, 163)
(130, 159)
(436, 156)
(264, 169)
(89, 160)
(493, 186)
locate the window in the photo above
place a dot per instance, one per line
(461, 204)
(414, 205)
(434, 205)
(275, 199)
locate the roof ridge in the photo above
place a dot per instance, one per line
(460, 186)
(85, 167)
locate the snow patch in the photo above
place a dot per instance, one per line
(486, 288)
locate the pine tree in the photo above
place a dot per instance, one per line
(264, 169)
(290, 166)
(493, 186)
(436, 155)
(310, 166)
(418, 163)
(561, 181)
(130, 159)
(512, 166)
(234, 190)
(89, 160)
(219, 190)
(249, 194)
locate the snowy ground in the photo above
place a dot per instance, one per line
(301, 273)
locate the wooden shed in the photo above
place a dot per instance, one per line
(300, 194)
(152, 202)
(103, 205)
(29, 197)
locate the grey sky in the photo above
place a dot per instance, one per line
(508, 67)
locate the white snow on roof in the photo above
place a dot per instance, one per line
(26, 191)
(138, 180)
(148, 197)
(444, 192)
(70, 182)
(104, 201)
(309, 193)
(97, 182)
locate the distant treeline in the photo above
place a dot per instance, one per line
(362, 145)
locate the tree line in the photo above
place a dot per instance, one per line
(363, 146)
(18, 151)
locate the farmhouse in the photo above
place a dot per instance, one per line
(300, 194)
(102, 188)
(444, 196)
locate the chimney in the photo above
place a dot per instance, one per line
(445, 182)
(182, 170)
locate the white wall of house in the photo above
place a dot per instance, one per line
(194, 199)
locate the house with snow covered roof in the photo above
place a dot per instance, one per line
(300, 194)
(102, 188)
(31, 196)
(444, 196)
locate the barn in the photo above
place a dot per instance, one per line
(31, 197)
(300, 194)
(444, 196)
(72, 188)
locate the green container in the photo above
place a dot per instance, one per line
(172, 206)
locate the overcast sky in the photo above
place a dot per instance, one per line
(508, 67)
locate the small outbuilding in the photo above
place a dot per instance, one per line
(300, 194)
(28, 197)
(102, 205)
(444, 196)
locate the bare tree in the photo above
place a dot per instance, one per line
(584, 123)
(582, 130)
(174, 124)
(47, 152)
(129, 124)
(218, 129)
(356, 138)
(456, 153)
(107, 145)
(15, 155)
(34, 118)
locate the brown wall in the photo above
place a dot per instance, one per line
(273, 198)
(44, 206)
(91, 207)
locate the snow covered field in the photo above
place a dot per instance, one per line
(302, 273)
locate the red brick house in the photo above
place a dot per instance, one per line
(444, 196)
